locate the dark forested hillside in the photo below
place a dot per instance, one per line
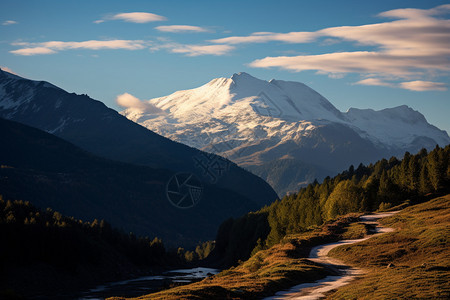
(44, 248)
(50, 172)
(290, 174)
(367, 188)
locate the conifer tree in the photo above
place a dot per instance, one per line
(414, 173)
(436, 168)
(424, 180)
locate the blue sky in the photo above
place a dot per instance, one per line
(364, 54)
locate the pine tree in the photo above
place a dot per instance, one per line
(276, 230)
(436, 168)
(414, 173)
(404, 176)
(387, 191)
(259, 246)
(424, 180)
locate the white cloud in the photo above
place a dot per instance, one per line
(264, 37)
(33, 51)
(413, 13)
(51, 47)
(335, 75)
(192, 50)
(365, 62)
(418, 35)
(8, 70)
(374, 82)
(134, 17)
(197, 50)
(329, 42)
(127, 100)
(414, 45)
(420, 86)
(181, 28)
(9, 22)
(96, 45)
(417, 85)
(414, 29)
(54, 46)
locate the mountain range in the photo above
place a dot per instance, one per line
(283, 131)
(88, 161)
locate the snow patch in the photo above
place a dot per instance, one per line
(60, 127)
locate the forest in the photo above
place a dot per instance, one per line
(48, 236)
(378, 186)
(74, 248)
(43, 246)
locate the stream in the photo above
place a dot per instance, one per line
(319, 254)
(147, 284)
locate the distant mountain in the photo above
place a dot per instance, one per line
(50, 172)
(262, 124)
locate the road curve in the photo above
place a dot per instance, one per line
(319, 254)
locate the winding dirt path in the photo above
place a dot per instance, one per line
(319, 254)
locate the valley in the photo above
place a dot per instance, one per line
(117, 211)
(245, 150)
(394, 262)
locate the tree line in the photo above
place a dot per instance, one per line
(381, 185)
(30, 235)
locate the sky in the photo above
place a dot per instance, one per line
(363, 54)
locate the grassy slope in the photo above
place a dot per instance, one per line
(268, 271)
(418, 249)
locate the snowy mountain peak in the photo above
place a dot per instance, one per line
(242, 75)
(399, 114)
(404, 112)
(243, 109)
(398, 126)
(245, 95)
(244, 78)
(8, 75)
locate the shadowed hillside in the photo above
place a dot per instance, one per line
(50, 172)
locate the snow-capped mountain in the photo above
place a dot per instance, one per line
(258, 123)
(242, 108)
(399, 127)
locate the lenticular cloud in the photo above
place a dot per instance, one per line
(129, 101)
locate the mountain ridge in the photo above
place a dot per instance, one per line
(51, 172)
(92, 126)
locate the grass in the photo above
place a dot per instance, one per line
(268, 271)
(418, 253)
(355, 231)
